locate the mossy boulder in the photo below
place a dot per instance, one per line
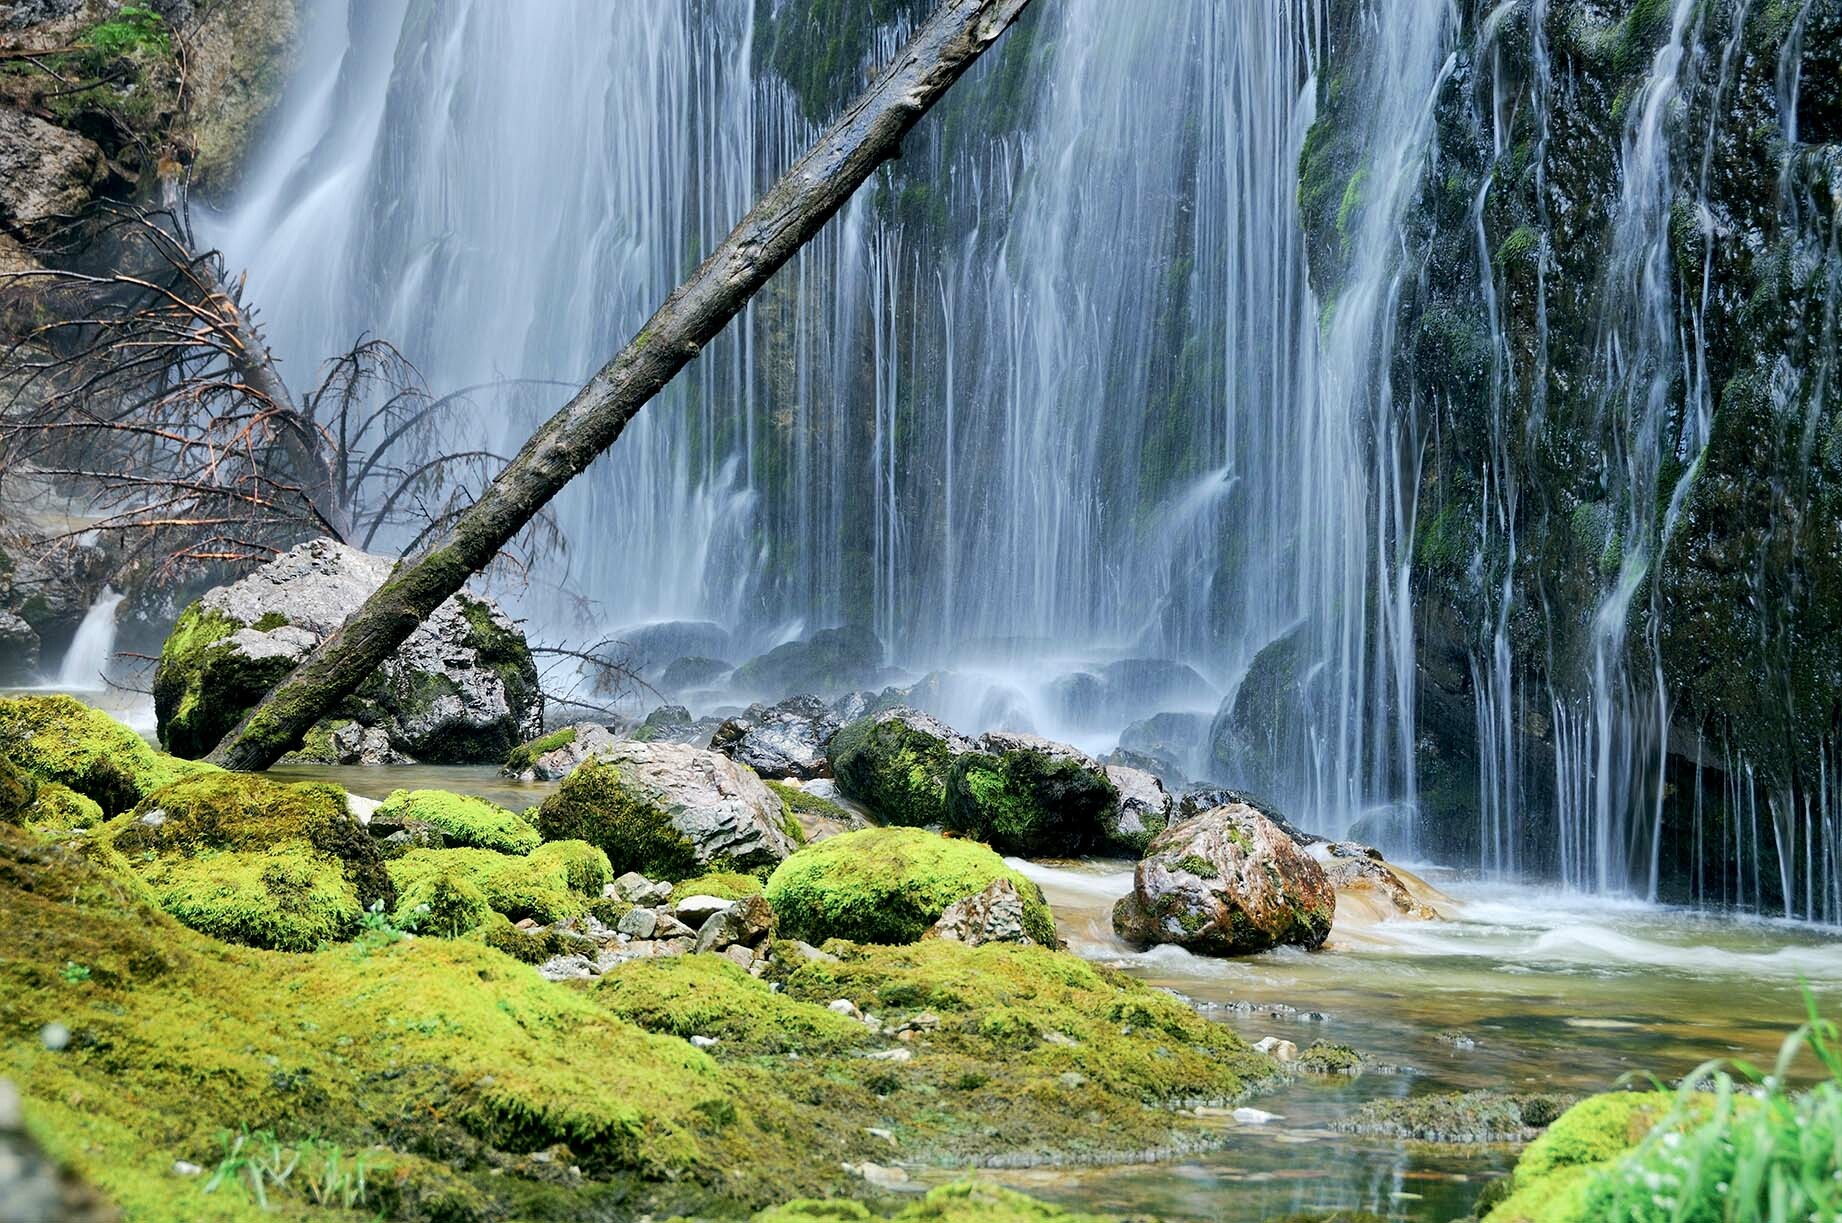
(1551, 1179)
(252, 861)
(688, 996)
(18, 792)
(58, 810)
(62, 740)
(554, 882)
(546, 758)
(1226, 882)
(463, 820)
(890, 885)
(670, 811)
(897, 763)
(1029, 795)
(462, 689)
(830, 661)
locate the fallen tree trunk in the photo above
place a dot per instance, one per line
(868, 133)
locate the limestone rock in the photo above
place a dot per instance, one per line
(47, 173)
(1226, 882)
(462, 688)
(1143, 809)
(995, 915)
(747, 922)
(1366, 883)
(669, 811)
(788, 740)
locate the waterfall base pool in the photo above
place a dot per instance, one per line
(1522, 989)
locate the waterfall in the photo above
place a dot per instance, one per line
(87, 660)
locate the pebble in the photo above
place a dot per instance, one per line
(881, 1176)
(845, 1007)
(183, 1168)
(55, 1037)
(704, 1042)
(899, 1054)
(1254, 1116)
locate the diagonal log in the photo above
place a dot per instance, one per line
(868, 133)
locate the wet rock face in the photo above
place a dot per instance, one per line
(668, 810)
(788, 740)
(1360, 873)
(830, 661)
(47, 174)
(1226, 882)
(462, 689)
(1142, 811)
(18, 650)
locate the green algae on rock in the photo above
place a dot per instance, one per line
(464, 820)
(1553, 1175)
(962, 1202)
(889, 885)
(1028, 795)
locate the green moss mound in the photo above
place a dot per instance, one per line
(552, 883)
(58, 739)
(888, 885)
(1030, 802)
(252, 861)
(706, 995)
(897, 770)
(421, 1050)
(464, 820)
(725, 885)
(595, 805)
(18, 793)
(59, 810)
(1553, 1176)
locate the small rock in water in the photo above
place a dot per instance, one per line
(1277, 1049)
(1457, 1039)
(1254, 1116)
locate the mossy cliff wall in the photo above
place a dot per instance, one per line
(1597, 411)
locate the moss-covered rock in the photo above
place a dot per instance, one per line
(670, 811)
(897, 763)
(461, 689)
(1028, 795)
(17, 793)
(524, 758)
(1551, 1178)
(1227, 881)
(251, 861)
(59, 739)
(554, 882)
(724, 885)
(463, 820)
(709, 996)
(889, 885)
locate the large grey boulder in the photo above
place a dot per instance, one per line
(788, 740)
(461, 690)
(1226, 882)
(670, 811)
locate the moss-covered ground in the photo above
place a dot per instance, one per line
(467, 1087)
